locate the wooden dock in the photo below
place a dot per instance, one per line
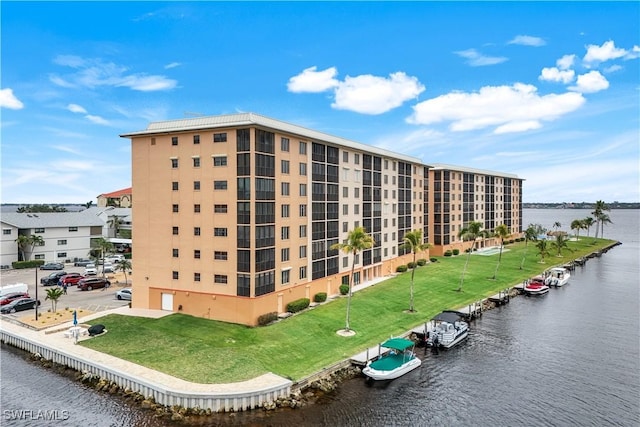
(500, 298)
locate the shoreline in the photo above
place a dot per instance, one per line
(296, 395)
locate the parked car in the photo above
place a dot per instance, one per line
(82, 262)
(71, 279)
(115, 259)
(124, 294)
(52, 266)
(90, 283)
(19, 305)
(107, 267)
(6, 299)
(90, 270)
(53, 278)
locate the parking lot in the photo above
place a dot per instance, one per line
(94, 301)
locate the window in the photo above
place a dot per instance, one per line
(284, 188)
(7, 231)
(39, 256)
(303, 272)
(62, 242)
(345, 209)
(356, 158)
(196, 231)
(356, 209)
(345, 227)
(196, 185)
(71, 229)
(219, 185)
(303, 210)
(196, 208)
(220, 255)
(345, 157)
(284, 211)
(196, 162)
(175, 275)
(196, 139)
(62, 254)
(284, 233)
(220, 232)
(303, 189)
(220, 208)
(284, 144)
(174, 186)
(284, 254)
(284, 166)
(303, 251)
(38, 230)
(220, 278)
(303, 231)
(196, 277)
(303, 148)
(345, 192)
(174, 140)
(285, 276)
(175, 252)
(219, 161)
(175, 208)
(356, 193)
(345, 263)
(220, 137)
(175, 231)
(174, 163)
(196, 253)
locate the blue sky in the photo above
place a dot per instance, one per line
(548, 91)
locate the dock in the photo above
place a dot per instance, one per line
(501, 297)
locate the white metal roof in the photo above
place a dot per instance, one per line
(443, 166)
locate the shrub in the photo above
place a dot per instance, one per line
(448, 253)
(402, 268)
(27, 264)
(456, 251)
(433, 259)
(267, 318)
(320, 297)
(411, 264)
(510, 241)
(298, 305)
(422, 262)
(344, 289)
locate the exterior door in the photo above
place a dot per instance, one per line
(167, 302)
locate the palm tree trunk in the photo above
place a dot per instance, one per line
(466, 263)
(495, 273)
(353, 267)
(413, 272)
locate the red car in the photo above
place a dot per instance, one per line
(71, 279)
(6, 299)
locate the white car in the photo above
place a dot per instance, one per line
(124, 294)
(90, 270)
(107, 267)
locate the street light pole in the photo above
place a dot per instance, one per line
(36, 293)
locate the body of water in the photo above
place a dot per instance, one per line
(569, 358)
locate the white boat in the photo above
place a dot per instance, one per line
(536, 286)
(557, 276)
(399, 360)
(448, 331)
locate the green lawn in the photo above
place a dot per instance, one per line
(207, 351)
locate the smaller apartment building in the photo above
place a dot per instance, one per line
(235, 215)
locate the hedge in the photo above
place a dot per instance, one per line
(320, 297)
(402, 268)
(27, 264)
(422, 262)
(344, 289)
(266, 318)
(447, 253)
(298, 305)
(456, 251)
(433, 259)
(411, 264)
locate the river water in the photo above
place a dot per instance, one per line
(570, 358)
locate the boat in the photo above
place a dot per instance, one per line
(449, 330)
(536, 286)
(396, 362)
(557, 276)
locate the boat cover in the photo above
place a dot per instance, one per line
(447, 316)
(399, 344)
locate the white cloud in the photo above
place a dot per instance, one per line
(9, 100)
(566, 62)
(591, 82)
(514, 108)
(552, 74)
(633, 53)
(603, 53)
(476, 59)
(369, 94)
(172, 65)
(75, 108)
(313, 81)
(528, 41)
(612, 69)
(96, 119)
(93, 73)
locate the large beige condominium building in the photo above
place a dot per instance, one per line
(235, 215)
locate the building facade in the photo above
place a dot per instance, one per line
(235, 215)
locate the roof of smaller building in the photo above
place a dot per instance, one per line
(117, 193)
(84, 218)
(443, 166)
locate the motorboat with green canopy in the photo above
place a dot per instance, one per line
(396, 362)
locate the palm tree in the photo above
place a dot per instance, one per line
(124, 266)
(413, 242)
(23, 242)
(598, 211)
(557, 225)
(560, 243)
(54, 295)
(577, 225)
(604, 219)
(542, 249)
(104, 246)
(115, 222)
(531, 233)
(470, 233)
(357, 241)
(35, 240)
(501, 232)
(88, 204)
(588, 223)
